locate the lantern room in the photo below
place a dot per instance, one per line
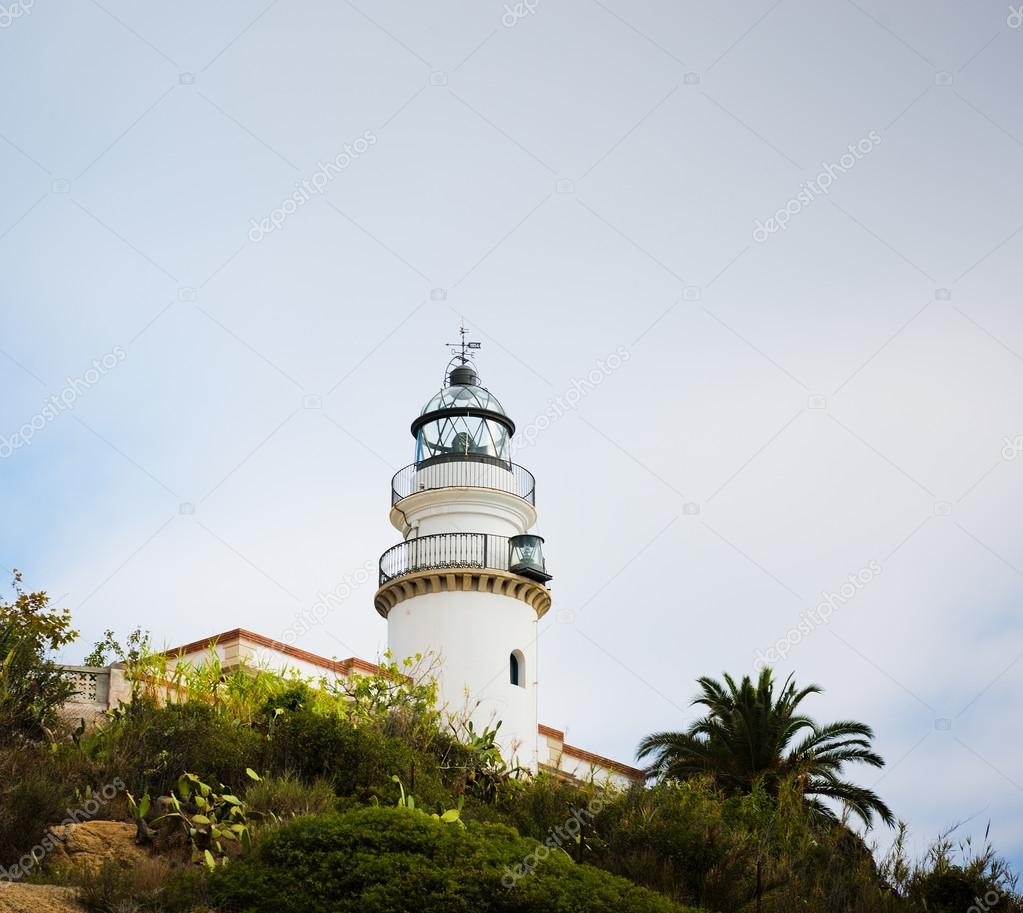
(463, 421)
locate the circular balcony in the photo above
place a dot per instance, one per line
(460, 472)
(521, 555)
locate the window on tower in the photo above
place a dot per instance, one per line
(517, 669)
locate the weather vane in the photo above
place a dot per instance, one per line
(459, 349)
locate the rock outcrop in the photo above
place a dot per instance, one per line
(38, 898)
(89, 844)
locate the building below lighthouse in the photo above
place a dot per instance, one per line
(464, 588)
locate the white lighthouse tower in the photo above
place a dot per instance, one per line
(468, 582)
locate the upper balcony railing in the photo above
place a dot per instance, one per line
(460, 472)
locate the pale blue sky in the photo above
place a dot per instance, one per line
(584, 177)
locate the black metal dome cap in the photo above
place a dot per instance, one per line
(463, 375)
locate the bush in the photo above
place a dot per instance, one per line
(672, 838)
(385, 860)
(30, 798)
(359, 760)
(953, 878)
(541, 804)
(286, 796)
(151, 746)
(37, 787)
(149, 886)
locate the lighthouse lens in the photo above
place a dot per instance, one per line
(464, 436)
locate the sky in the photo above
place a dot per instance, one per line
(746, 276)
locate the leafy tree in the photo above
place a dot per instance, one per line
(106, 644)
(137, 646)
(32, 686)
(750, 738)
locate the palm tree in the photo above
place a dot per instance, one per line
(748, 739)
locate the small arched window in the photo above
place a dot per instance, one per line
(517, 669)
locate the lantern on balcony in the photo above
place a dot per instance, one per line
(526, 557)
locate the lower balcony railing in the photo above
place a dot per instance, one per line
(480, 551)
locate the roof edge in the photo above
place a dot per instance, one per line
(344, 667)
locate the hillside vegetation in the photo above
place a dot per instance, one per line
(253, 791)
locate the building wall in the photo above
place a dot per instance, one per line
(557, 757)
(258, 655)
(99, 690)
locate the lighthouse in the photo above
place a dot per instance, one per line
(468, 582)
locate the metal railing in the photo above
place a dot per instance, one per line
(444, 550)
(463, 473)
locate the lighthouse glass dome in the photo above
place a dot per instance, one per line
(462, 396)
(463, 421)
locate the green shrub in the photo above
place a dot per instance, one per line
(672, 838)
(949, 891)
(359, 760)
(38, 785)
(399, 700)
(30, 798)
(286, 796)
(540, 804)
(471, 763)
(146, 886)
(387, 860)
(954, 877)
(293, 695)
(151, 746)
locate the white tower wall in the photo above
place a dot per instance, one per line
(468, 510)
(474, 634)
